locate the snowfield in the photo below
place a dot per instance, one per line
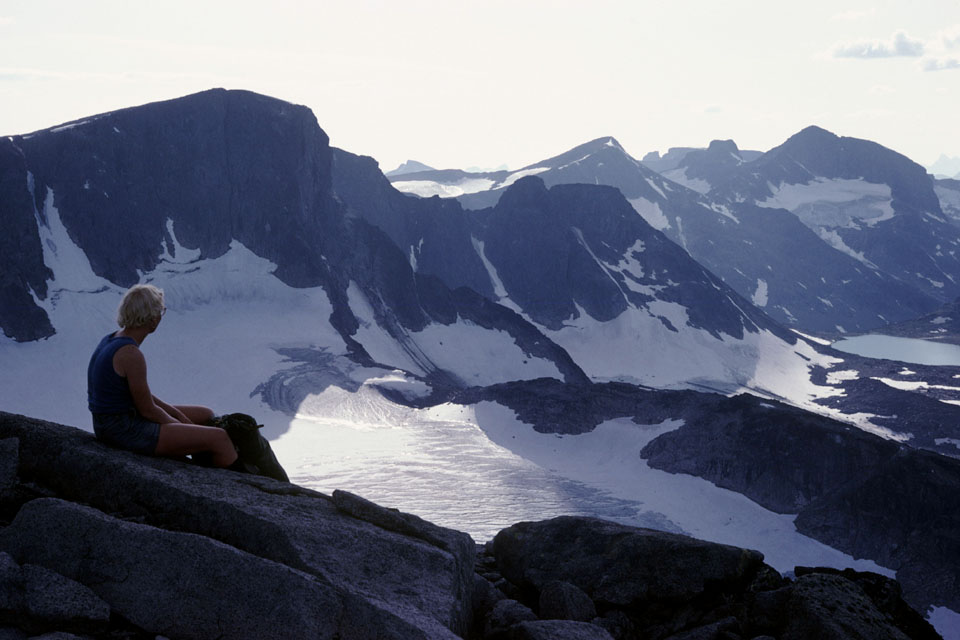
(429, 188)
(833, 203)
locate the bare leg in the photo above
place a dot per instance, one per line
(195, 413)
(178, 439)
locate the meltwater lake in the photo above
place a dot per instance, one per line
(909, 350)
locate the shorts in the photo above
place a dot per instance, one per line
(128, 431)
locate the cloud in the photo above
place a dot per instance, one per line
(934, 64)
(900, 46)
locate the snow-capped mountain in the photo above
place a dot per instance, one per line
(577, 261)
(770, 257)
(302, 287)
(867, 201)
(220, 172)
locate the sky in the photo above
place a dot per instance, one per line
(458, 84)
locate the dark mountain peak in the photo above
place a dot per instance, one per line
(670, 160)
(705, 163)
(724, 146)
(187, 109)
(812, 137)
(527, 192)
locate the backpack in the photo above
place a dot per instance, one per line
(253, 450)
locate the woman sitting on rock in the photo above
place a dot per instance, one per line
(125, 413)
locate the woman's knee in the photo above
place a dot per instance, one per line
(197, 414)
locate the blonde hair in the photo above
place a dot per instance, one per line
(141, 304)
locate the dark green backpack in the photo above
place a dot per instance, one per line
(253, 450)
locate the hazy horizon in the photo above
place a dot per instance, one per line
(483, 85)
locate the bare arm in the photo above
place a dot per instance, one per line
(130, 364)
(172, 411)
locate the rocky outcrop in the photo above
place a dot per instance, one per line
(225, 554)
(778, 456)
(101, 543)
(655, 585)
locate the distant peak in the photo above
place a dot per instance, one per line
(725, 146)
(410, 166)
(815, 132)
(600, 143)
(610, 141)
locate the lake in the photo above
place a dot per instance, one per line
(910, 350)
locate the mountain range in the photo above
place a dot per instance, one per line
(581, 290)
(828, 235)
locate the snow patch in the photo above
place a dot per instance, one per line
(836, 377)
(680, 177)
(651, 212)
(724, 210)
(429, 188)
(67, 127)
(69, 264)
(476, 355)
(654, 186)
(812, 338)
(180, 254)
(955, 442)
(945, 621)
(513, 177)
(569, 164)
(760, 295)
(913, 385)
(833, 238)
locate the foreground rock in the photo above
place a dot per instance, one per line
(100, 543)
(190, 552)
(653, 585)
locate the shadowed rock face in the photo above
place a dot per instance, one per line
(618, 565)
(546, 245)
(906, 514)
(21, 256)
(856, 492)
(779, 457)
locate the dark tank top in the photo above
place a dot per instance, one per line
(108, 392)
